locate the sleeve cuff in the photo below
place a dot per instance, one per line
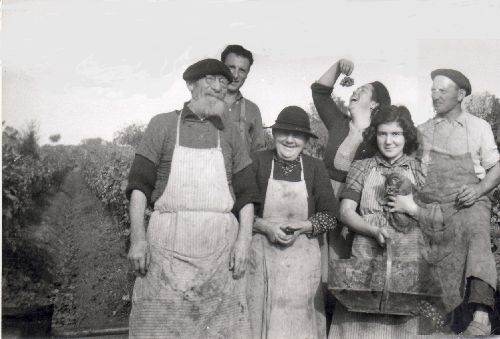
(142, 177)
(144, 188)
(316, 87)
(350, 194)
(322, 222)
(245, 189)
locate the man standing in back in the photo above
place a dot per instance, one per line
(243, 112)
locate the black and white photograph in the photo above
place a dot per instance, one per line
(250, 169)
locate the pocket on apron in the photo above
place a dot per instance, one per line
(190, 233)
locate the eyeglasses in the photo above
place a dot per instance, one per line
(211, 80)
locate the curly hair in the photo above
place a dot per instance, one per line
(387, 114)
(238, 50)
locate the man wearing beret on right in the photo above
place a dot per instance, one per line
(195, 169)
(460, 161)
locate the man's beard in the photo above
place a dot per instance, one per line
(207, 106)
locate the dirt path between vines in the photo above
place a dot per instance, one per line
(95, 282)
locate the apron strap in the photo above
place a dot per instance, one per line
(272, 169)
(243, 119)
(301, 169)
(179, 128)
(467, 135)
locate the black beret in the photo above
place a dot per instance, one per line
(457, 77)
(207, 67)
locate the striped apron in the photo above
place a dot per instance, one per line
(189, 291)
(407, 246)
(284, 291)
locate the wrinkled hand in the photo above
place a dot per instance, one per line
(402, 204)
(345, 66)
(139, 257)
(299, 227)
(467, 196)
(239, 258)
(277, 232)
(380, 235)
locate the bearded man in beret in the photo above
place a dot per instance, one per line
(194, 170)
(460, 162)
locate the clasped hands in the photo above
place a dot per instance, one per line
(284, 231)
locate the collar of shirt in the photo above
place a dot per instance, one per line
(239, 96)
(459, 120)
(286, 165)
(187, 114)
(403, 161)
(237, 99)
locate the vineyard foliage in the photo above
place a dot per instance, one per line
(27, 174)
(105, 167)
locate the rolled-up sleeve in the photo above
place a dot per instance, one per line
(489, 150)
(142, 177)
(245, 189)
(355, 181)
(152, 142)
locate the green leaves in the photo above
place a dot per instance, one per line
(105, 168)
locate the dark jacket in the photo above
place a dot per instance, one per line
(319, 189)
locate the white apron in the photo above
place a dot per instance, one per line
(189, 291)
(284, 290)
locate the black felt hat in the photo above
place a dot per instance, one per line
(457, 77)
(294, 118)
(207, 67)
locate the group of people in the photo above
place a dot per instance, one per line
(241, 237)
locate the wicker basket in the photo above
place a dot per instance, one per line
(382, 285)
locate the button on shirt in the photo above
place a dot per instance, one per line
(466, 133)
(254, 134)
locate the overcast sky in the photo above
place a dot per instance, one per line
(86, 68)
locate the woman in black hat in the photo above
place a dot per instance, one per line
(284, 293)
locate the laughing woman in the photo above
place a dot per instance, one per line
(284, 275)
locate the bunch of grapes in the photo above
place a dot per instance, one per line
(347, 81)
